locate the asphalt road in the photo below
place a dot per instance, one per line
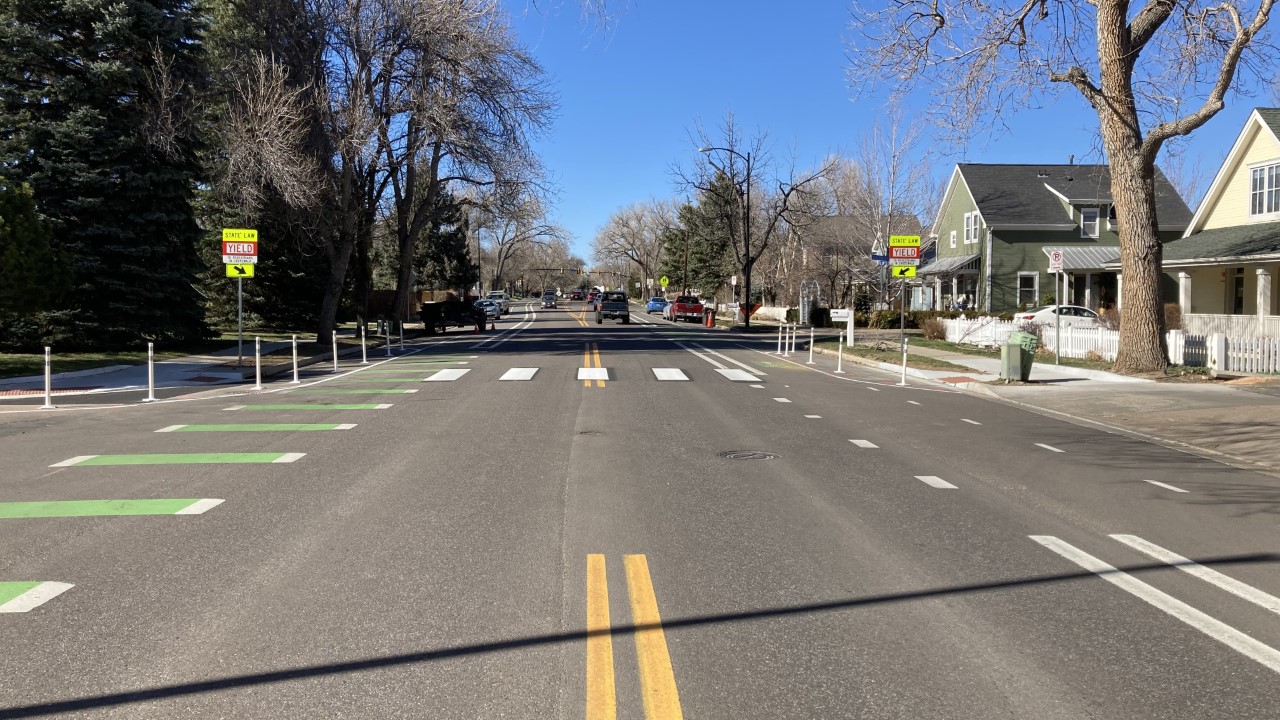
(762, 539)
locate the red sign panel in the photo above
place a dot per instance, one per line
(239, 248)
(904, 252)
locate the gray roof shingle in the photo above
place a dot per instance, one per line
(1235, 241)
(1271, 116)
(1016, 194)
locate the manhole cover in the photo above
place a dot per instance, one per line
(747, 455)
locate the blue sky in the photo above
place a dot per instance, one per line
(631, 94)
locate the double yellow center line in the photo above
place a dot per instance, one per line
(581, 317)
(657, 679)
(591, 354)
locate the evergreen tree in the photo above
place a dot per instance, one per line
(95, 115)
(32, 276)
(700, 248)
(442, 260)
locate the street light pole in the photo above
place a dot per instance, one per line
(746, 237)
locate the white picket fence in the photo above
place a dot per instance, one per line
(1224, 353)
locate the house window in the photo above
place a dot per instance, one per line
(970, 228)
(953, 239)
(1028, 289)
(1089, 222)
(1264, 190)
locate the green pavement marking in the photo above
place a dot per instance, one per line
(358, 391)
(259, 427)
(94, 508)
(11, 590)
(318, 406)
(396, 372)
(180, 459)
(20, 597)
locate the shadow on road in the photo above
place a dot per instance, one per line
(406, 659)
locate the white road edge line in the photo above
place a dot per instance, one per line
(73, 461)
(1166, 486)
(35, 597)
(971, 422)
(234, 407)
(1050, 447)
(171, 428)
(935, 481)
(742, 365)
(289, 457)
(864, 443)
(200, 506)
(704, 357)
(1209, 575)
(873, 389)
(1216, 629)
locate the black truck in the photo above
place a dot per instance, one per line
(614, 305)
(438, 317)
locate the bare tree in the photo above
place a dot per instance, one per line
(506, 227)
(634, 235)
(1150, 75)
(763, 218)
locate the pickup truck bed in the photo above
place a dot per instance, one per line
(686, 307)
(614, 305)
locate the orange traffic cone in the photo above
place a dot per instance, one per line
(493, 324)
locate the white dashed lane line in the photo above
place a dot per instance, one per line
(864, 443)
(784, 400)
(1049, 447)
(1166, 486)
(935, 481)
(971, 422)
(912, 402)
(814, 417)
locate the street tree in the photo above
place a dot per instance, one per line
(1150, 75)
(759, 219)
(98, 108)
(505, 225)
(634, 234)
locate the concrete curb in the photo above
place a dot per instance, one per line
(974, 387)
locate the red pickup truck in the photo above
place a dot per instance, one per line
(685, 307)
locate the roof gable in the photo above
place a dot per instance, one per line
(1032, 195)
(1262, 123)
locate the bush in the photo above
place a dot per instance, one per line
(1172, 316)
(1109, 319)
(934, 329)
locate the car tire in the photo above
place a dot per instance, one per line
(626, 320)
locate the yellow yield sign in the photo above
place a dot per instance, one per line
(239, 271)
(903, 271)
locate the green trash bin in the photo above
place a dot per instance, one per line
(1026, 345)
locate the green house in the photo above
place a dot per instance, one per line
(998, 225)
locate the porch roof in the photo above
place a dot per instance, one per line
(1092, 257)
(949, 265)
(1259, 241)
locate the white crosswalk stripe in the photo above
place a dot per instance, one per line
(520, 373)
(448, 375)
(669, 374)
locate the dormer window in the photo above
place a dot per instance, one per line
(1264, 190)
(1089, 222)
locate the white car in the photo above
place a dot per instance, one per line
(1047, 315)
(500, 297)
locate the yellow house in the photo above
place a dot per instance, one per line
(1225, 262)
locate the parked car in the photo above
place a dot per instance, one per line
(685, 307)
(500, 297)
(613, 305)
(1072, 316)
(548, 299)
(490, 308)
(656, 305)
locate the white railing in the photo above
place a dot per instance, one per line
(1240, 326)
(984, 331)
(1221, 352)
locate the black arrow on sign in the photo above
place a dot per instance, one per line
(239, 269)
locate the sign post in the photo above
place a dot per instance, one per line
(904, 257)
(1055, 268)
(239, 254)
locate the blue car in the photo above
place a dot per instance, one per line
(656, 305)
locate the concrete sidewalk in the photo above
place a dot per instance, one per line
(1236, 422)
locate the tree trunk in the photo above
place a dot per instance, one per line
(339, 257)
(1142, 337)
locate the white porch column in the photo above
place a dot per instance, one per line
(955, 287)
(1264, 293)
(1119, 289)
(937, 293)
(1184, 291)
(1088, 290)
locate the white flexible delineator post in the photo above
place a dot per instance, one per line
(386, 336)
(810, 347)
(151, 373)
(904, 362)
(779, 352)
(48, 379)
(401, 336)
(335, 351)
(839, 354)
(364, 352)
(257, 363)
(295, 361)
